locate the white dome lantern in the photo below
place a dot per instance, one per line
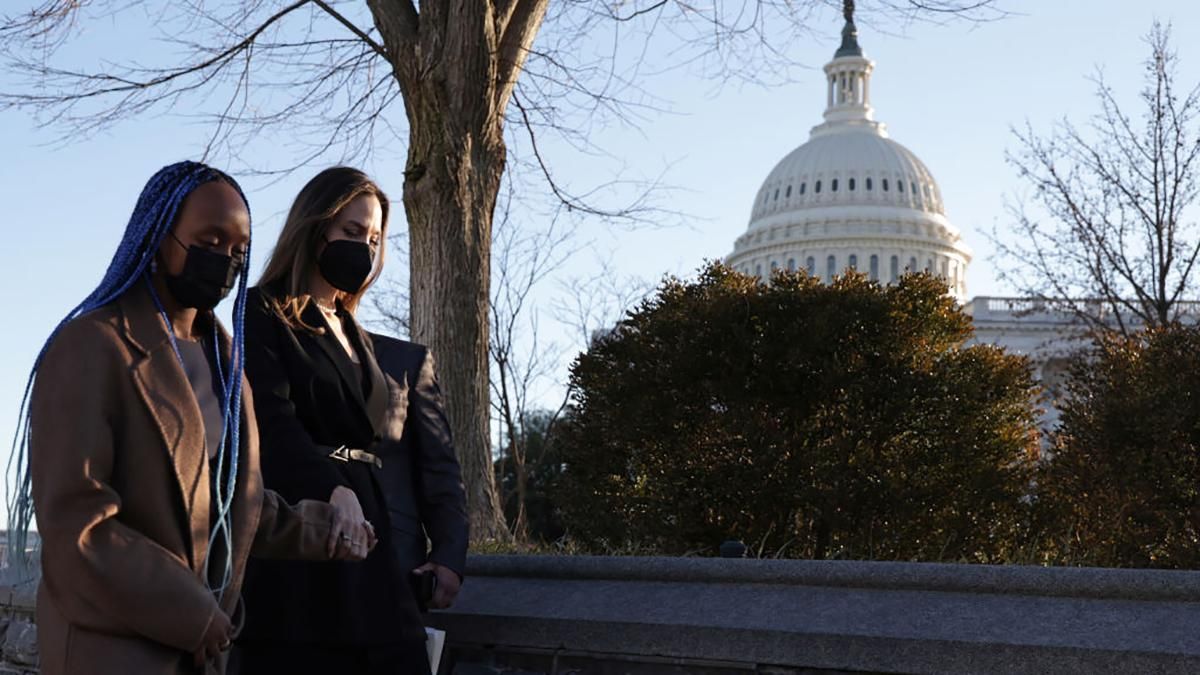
(851, 196)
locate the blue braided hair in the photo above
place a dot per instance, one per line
(155, 214)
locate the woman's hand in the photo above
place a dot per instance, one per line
(351, 537)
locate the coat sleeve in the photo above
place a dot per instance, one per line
(292, 463)
(288, 532)
(100, 573)
(442, 500)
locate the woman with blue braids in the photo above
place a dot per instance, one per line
(142, 450)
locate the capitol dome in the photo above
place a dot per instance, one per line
(851, 197)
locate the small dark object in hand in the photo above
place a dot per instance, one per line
(424, 584)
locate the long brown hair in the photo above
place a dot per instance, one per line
(294, 259)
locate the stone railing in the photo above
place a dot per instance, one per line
(535, 615)
(560, 615)
(18, 635)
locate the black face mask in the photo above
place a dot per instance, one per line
(346, 264)
(206, 279)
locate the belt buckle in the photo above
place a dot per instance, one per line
(342, 454)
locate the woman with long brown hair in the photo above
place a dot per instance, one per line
(322, 402)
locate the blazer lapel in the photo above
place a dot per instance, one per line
(377, 397)
(342, 363)
(164, 387)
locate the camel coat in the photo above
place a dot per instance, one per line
(121, 491)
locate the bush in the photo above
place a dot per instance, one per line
(1122, 488)
(809, 420)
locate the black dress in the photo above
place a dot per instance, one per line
(311, 398)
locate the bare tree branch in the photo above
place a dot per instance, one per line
(1120, 243)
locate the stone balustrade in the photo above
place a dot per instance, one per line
(573, 615)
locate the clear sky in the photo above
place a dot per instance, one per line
(949, 93)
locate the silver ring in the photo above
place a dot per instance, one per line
(345, 537)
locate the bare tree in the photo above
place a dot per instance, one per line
(1114, 241)
(330, 72)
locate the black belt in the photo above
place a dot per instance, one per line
(344, 454)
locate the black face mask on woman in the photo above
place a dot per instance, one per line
(206, 279)
(346, 264)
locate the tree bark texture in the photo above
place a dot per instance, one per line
(456, 63)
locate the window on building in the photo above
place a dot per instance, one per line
(945, 269)
(817, 187)
(929, 264)
(851, 185)
(833, 185)
(853, 261)
(774, 265)
(885, 186)
(895, 269)
(912, 265)
(758, 270)
(810, 266)
(830, 268)
(791, 264)
(869, 183)
(788, 192)
(874, 268)
(899, 186)
(776, 194)
(802, 186)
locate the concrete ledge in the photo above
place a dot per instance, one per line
(1083, 582)
(831, 616)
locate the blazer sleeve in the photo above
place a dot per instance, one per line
(441, 497)
(292, 463)
(96, 569)
(288, 532)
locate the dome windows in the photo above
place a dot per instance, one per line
(853, 262)
(874, 268)
(776, 194)
(810, 266)
(851, 184)
(802, 186)
(791, 264)
(885, 185)
(833, 185)
(899, 185)
(788, 192)
(830, 268)
(817, 187)
(895, 269)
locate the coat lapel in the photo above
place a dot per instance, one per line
(163, 386)
(377, 398)
(372, 408)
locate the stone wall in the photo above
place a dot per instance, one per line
(552, 615)
(18, 635)
(560, 615)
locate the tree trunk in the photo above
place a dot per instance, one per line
(520, 527)
(456, 64)
(451, 182)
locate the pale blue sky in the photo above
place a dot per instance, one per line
(949, 93)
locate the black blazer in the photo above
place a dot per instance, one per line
(309, 400)
(421, 478)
